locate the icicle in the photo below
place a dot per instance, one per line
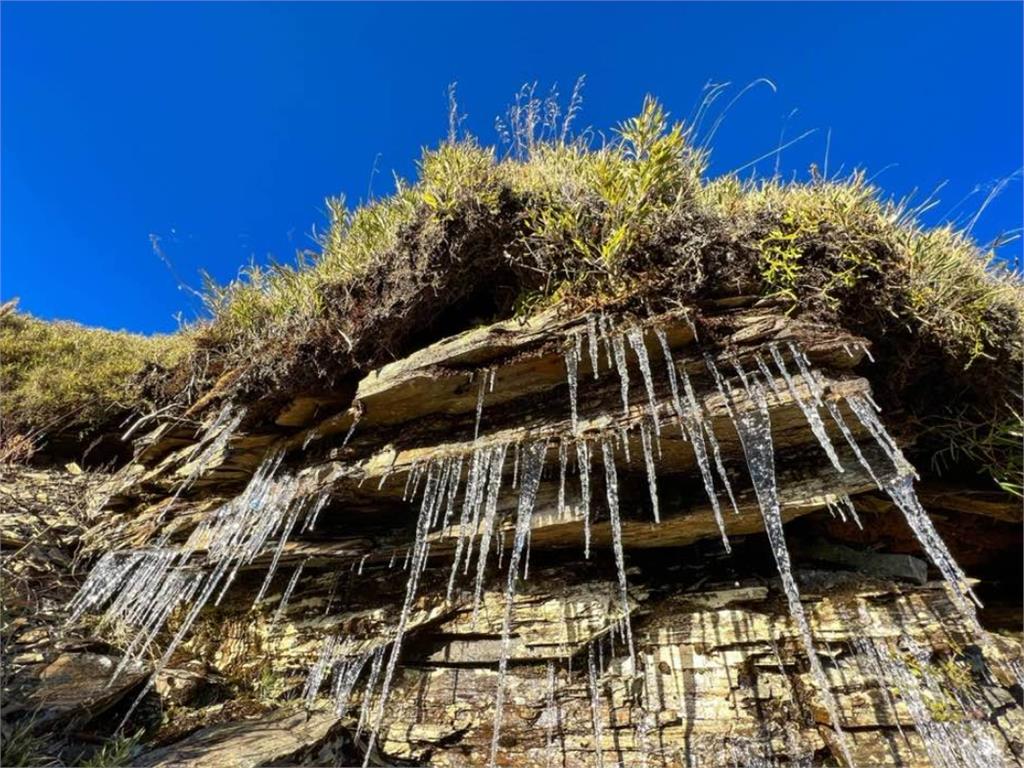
(533, 466)
(346, 673)
(311, 435)
(442, 491)
(371, 684)
(901, 491)
(314, 510)
(606, 336)
(595, 706)
(562, 461)
(848, 503)
(867, 417)
(652, 480)
(673, 381)
(420, 547)
(318, 670)
(866, 351)
(480, 403)
(572, 375)
(624, 442)
(493, 375)
(695, 426)
(612, 489)
(754, 428)
(716, 453)
(487, 456)
(408, 480)
(497, 464)
(360, 409)
(592, 343)
(515, 467)
(453, 490)
(766, 372)
(273, 564)
(583, 462)
(900, 488)
(470, 503)
(619, 350)
(636, 340)
(283, 606)
(809, 410)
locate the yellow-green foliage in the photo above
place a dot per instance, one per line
(590, 223)
(586, 212)
(59, 374)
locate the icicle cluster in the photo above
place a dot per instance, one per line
(142, 588)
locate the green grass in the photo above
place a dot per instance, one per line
(631, 221)
(58, 376)
(118, 751)
(591, 218)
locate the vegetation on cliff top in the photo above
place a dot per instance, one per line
(630, 223)
(63, 377)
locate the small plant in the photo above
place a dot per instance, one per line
(21, 746)
(117, 751)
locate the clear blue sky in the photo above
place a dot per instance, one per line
(221, 128)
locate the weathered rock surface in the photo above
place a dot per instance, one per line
(720, 674)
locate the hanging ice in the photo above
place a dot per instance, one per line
(809, 410)
(694, 426)
(652, 479)
(421, 546)
(480, 403)
(283, 606)
(572, 375)
(562, 461)
(533, 467)
(636, 340)
(754, 428)
(356, 418)
(592, 343)
(612, 489)
(319, 670)
(371, 685)
(583, 462)
(497, 465)
(619, 350)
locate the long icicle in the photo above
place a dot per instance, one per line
(420, 547)
(533, 467)
(583, 463)
(809, 410)
(754, 428)
(612, 489)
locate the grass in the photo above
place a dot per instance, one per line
(551, 218)
(118, 751)
(20, 745)
(58, 376)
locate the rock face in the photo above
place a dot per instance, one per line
(555, 542)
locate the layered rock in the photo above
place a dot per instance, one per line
(304, 551)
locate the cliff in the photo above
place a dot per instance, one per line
(463, 511)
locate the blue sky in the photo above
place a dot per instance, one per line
(221, 128)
